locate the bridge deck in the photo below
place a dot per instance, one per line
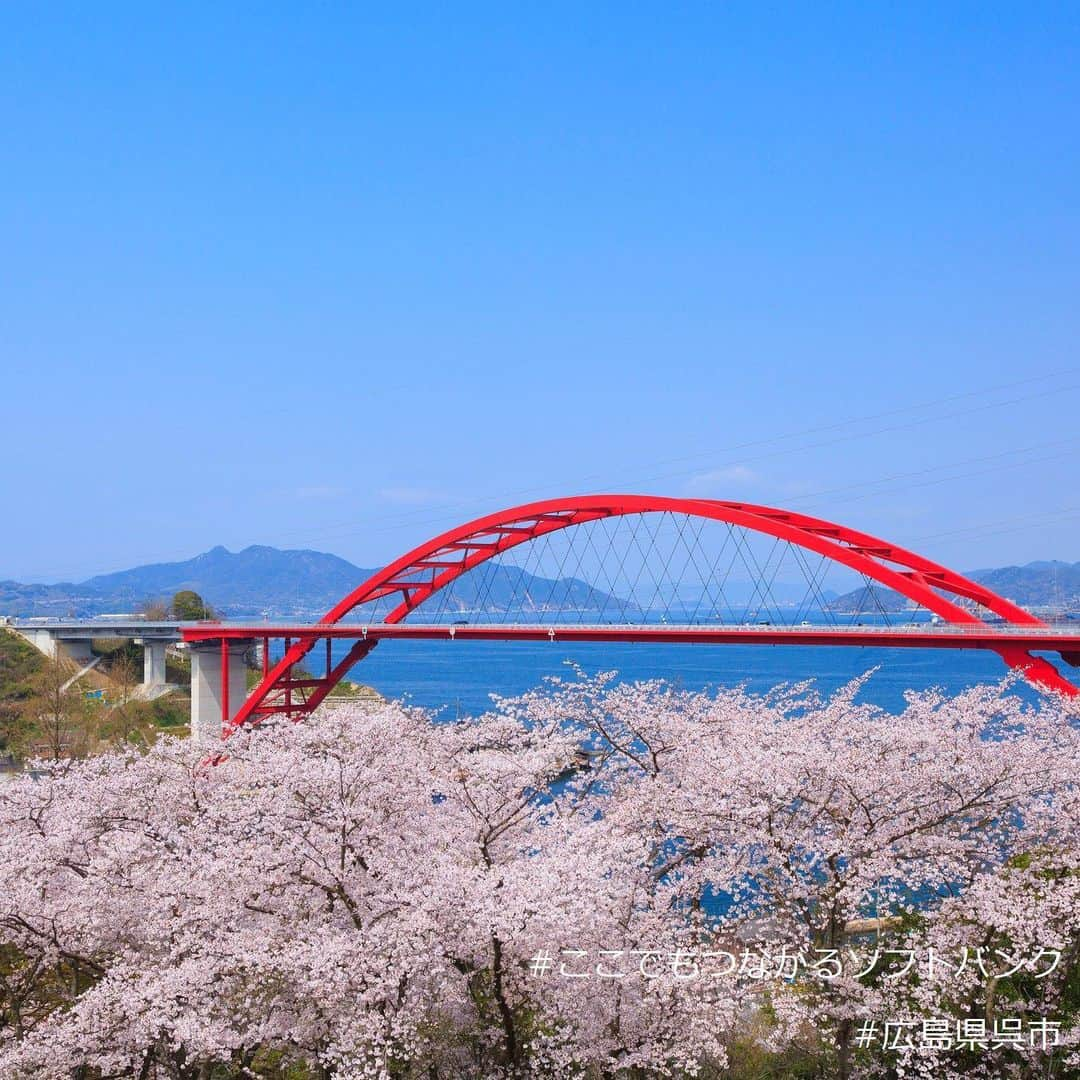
(982, 636)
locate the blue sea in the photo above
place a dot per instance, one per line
(457, 678)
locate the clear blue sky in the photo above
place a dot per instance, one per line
(333, 276)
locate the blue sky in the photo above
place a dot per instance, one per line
(334, 276)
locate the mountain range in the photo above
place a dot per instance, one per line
(295, 584)
(1044, 584)
(299, 584)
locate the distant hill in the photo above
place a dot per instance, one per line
(243, 583)
(301, 584)
(284, 583)
(1038, 584)
(248, 582)
(55, 600)
(1053, 585)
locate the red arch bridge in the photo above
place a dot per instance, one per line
(629, 568)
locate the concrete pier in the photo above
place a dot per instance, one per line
(75, 650)
(153, 663)
(206, 686)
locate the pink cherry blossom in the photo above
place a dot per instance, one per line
(366, 892)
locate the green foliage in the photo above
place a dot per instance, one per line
(355, 690)
(171, 713)
(19, 660)
(189, 606)
(20, 663)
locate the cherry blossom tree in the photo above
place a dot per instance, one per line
(553, 889)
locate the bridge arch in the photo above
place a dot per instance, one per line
(435, 565)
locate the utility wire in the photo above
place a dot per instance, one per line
(451, 513)
(393, 524)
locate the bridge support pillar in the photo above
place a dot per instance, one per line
(209, 688)
(153, 663)
(42, 640)
(76, 651)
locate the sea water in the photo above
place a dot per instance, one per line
(457, 678)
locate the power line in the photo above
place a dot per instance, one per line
(1048, 517)
(393, 524)
(930, 469)
(452, 513)
(952, 479)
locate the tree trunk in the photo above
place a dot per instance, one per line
(505, 1012)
